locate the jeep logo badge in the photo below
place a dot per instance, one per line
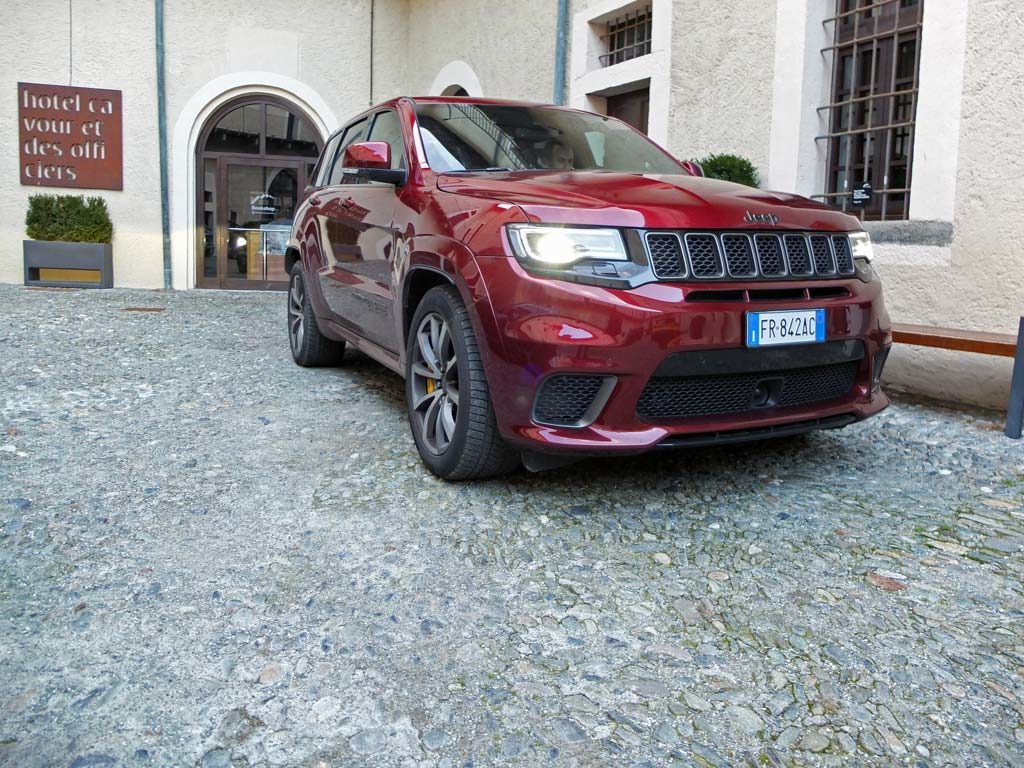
(761, 218)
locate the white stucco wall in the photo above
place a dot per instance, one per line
(112, 49)
(722, 65)
(510, 46)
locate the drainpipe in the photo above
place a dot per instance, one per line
(371, 53)
(161, 112)
(561, 32)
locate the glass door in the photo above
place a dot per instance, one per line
(254, 164)
(260, 204)
(248, 209)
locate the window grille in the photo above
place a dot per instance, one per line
(628, 37)
(876, 57)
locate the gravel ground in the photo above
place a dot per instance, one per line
(213, 557)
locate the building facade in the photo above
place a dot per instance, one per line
(922, 99)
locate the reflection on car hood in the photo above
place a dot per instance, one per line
(649, 201)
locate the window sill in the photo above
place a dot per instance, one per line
(936, 233)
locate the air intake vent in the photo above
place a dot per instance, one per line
(572, 400)
(673, 397)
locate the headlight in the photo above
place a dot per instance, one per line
(860, 242)
(554, 246)
(240, 242)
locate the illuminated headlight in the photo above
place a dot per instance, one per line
(860, 242)
(240, 242)
(561, 246)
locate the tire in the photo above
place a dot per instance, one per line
(310, 348)
(466, 445)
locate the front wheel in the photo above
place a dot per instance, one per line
(310, 348)
(449, 403)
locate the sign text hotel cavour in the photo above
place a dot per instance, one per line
(69, 136)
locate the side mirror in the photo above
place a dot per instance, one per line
(693, 168)
(371, 160)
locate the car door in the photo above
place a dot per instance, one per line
(309, 218)
(360, 224)
(337, 238)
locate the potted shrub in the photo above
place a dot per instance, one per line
(730, 168)
(70, 242)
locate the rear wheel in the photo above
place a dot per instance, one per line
(310, 348)
(449, 403)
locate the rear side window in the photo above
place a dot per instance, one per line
(387, 128)
(355, 132)
(323, 170)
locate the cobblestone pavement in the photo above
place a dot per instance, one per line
(213, 557)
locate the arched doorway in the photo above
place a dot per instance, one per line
(252, 160)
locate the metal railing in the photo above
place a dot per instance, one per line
(628, 37)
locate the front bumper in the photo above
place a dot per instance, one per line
(538, 328)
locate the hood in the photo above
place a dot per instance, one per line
(616, 199)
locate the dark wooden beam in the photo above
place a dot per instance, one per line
(982, 342)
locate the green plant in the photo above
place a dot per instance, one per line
(731, 168)
(69, 218)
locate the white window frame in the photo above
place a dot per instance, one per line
(591, 84)
(796, 162)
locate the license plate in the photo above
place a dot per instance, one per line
(798, 326)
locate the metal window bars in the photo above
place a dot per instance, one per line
(876, 57)
(628, 37)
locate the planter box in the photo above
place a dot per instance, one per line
(69, 265)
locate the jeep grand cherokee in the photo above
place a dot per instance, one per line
(551, 283)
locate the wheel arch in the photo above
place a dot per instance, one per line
(437, 260)
(291, 258)
(418, 281)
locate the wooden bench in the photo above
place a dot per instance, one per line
(981, 342)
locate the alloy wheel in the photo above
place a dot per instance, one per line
(435, 382)
(296, 297)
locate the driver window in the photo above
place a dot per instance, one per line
(354, 133)
(324, 169)
(387, 128)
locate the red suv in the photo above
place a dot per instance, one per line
(551, 284)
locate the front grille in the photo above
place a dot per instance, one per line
(748, 256)
(666, 254)
(769, 255)
(673, 397)
(798, 256)
(704, 256)
(566, 399)
(844, 257)
(822, 254)
(738, 255)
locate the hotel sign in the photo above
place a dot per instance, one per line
(69, 136)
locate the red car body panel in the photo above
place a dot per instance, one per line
(363, 245)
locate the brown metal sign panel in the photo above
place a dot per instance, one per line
(70, 136)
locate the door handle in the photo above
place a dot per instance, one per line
(314, 200)
(347, 202)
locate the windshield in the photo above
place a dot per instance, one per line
(481, 137)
